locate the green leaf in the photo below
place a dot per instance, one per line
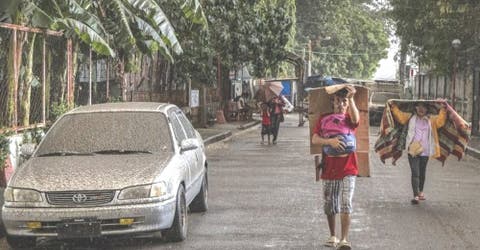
(88, 35)
(192, 9)
(160, 20)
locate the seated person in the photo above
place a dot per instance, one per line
(242, 107)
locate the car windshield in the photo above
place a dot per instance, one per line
(107, 133)
(384, 97)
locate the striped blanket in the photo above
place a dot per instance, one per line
(453, 136)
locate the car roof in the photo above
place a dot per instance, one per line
(123, 106)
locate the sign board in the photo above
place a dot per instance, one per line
(194, 98)
(232, 75)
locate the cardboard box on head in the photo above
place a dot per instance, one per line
(320, 103)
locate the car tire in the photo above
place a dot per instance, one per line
(178, 230)
(200, 202)
(21, 242)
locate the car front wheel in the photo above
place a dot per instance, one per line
(178, 230)
(21, 242)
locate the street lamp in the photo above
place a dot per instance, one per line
(455, 44)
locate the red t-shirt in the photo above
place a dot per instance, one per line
(265, 118)
(338, 167)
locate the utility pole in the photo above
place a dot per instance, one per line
(455, 44)
(309, 63)
(90, 77)
(301, 90)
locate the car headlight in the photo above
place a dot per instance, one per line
(155, 190)
(159, 189)
(22, 195)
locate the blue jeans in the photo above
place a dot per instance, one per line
(418, 165)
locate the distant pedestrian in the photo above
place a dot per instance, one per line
(422, 141)
(339, 162)
(276, 115)
(266, 122)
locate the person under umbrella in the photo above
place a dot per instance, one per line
(276, 116)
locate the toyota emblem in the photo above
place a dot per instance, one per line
(79, 198)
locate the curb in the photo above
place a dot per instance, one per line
(473, 152)
(216, 138)
(228, 134)
(248, 125)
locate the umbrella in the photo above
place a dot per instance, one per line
(268, 91)
(273, 89)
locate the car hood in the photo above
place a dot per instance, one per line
(97, 172)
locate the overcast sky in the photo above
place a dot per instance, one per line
(388, 67)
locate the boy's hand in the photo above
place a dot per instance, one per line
(337, 143)
(351, 91)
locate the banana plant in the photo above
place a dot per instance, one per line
(113, 28)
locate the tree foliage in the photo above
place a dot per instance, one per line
(252, 33)
(427, 28)
(357, 32)
(275, 33)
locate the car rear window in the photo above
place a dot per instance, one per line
(103, 131)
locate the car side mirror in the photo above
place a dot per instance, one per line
(189, 144)
(27, 149)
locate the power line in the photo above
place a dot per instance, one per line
(341, 54)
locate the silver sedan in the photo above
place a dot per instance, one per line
(109, 169)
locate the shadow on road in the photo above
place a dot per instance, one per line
(101, 243)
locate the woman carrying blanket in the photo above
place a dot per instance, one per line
(422, 141)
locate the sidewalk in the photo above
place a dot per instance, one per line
(218, 132)
(473, 147)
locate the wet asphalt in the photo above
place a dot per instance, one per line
(266, 197)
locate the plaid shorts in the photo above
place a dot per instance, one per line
(333, 203)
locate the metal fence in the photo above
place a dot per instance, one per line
(433, 86)
(35, 76)
(37, 81)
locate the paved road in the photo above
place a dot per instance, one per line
(265, 197)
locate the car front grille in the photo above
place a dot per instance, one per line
(107, 225)
(80, 198)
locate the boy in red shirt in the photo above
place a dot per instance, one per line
(339, 170)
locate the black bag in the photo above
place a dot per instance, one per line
(281, 118)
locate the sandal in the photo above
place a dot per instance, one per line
(415, 200)
(421, 197)
(344, 245)
(331, 242)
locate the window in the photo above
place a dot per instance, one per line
(189, 130)
(177, 128)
